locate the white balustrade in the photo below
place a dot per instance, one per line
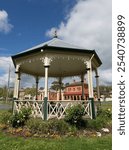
(56, 109)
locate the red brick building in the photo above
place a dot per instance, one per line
(74, 91)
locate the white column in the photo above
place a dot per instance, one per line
(82, 81)
(90, 81)
(46, 66)
(90, 87)
(46, 82)
(97, 83)
(17, 82)
(45, 107)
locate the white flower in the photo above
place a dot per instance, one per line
(109, 109)
(98, 134)
(105, 130)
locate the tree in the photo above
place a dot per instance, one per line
(56, 85)
(105, 90)
(3, 92)
(66, 84)
(31, 91)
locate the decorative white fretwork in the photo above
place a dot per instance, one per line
(56, 109)
(37, 107)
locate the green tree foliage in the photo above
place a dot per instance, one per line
(31, 91)
(56, 86)
(105, 88)
(3, 92)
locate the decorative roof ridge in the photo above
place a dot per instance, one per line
(49, 43)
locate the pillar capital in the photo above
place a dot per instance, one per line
(88, 65)
(17, 70)
(47, 62)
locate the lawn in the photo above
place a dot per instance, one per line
(15, 142)
(104, 105)
(8, 142)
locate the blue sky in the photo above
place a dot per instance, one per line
(30, 19)
(26, 23)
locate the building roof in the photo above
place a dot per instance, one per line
(59, 45)
(65, 59)
(55, 42)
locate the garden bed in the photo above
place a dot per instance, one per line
(22, 124)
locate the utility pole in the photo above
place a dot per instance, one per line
(8, 87)
(8, 83)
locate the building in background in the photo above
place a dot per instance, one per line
(73, 91)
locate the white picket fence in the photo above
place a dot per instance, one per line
(55, 109)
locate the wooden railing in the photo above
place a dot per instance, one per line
(55, 109)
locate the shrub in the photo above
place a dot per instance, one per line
(5, 117)
(39, 126)
(74, 115)
(103, 119)
(97, 123)
(26, 112)
(18, 119)
(106, 113)
(59, 126)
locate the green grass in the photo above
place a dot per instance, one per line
(4, 102)
(104, 105)
(72, 143)
(10, 142)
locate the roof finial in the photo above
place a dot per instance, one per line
(55, 34)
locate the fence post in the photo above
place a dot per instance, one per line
(45, 109)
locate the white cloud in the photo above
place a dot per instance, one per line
(5, 63)
(106, 77)
(89, 24)
(5, 26)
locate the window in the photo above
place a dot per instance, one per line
(79, 88)
(69, 89)
(73, 89)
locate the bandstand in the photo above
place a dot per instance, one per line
(59, 59)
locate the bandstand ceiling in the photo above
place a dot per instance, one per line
(65, 59)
